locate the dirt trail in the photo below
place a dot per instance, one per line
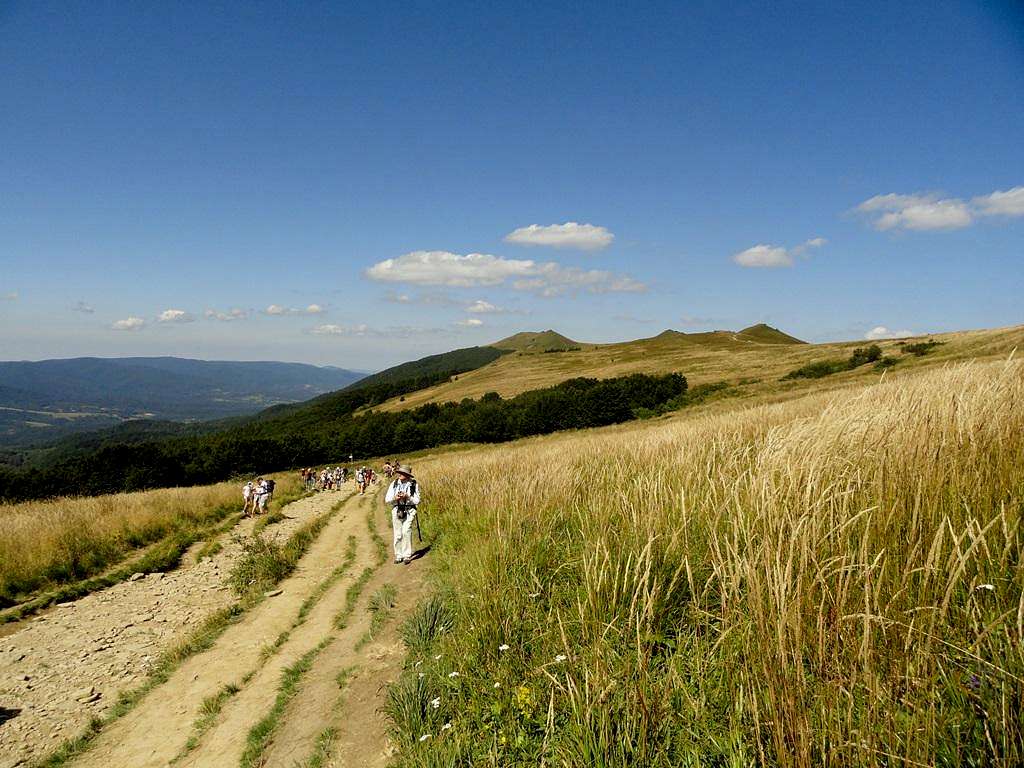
(161, 729)
(351, 711)
(156, 730)
(226, 741)
(65, 666)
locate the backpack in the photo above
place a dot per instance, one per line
(270, 486)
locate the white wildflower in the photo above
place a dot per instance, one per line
(435, 703)
(535, 594)
(560, 658)
(424, 737)
(503, 647)
(446, 726)
(420, 675)
(497, 685)
(438, 657)
(989, 587)
(453, 674)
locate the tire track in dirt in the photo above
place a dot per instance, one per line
(225, 741)
(351, 714)
(159, 727)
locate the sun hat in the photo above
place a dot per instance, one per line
(405, 469)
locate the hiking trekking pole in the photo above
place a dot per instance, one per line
(419, 531)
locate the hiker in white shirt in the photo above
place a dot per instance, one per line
(247, 490)
(403, 495)
(259, 503)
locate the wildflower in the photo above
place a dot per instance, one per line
(989, 587)
(417, 663)
(420, 675)
(497, 685)
(453, 674)
(436, 658)
(503, 647)
(424, 737)
(446, 726)
(560, 658)
(535, 594)
(435, 703)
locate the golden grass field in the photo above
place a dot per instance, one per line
(834, 580)
(702, 358)
(47, 543)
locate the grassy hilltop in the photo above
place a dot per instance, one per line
(759, 354)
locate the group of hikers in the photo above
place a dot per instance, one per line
(332, 478)
(256, 494)
(402, 496)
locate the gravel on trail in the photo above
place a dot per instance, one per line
(63, 667)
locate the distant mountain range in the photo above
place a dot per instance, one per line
(43, 400)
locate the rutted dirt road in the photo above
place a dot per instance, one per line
(104, 642)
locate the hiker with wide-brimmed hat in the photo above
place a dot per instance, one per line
(403, 495)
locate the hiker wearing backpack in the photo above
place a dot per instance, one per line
(403, 496)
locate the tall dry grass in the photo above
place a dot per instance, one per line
(832, 581)
(45, 544)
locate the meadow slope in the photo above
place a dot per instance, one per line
(835, 580)
(703, 358)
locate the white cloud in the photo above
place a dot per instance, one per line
(481, 269)
(481, 307)
(553, 279)
(929, 211)
(174, 316)
(1008, 203)
(471, 322)
(585, 237)
(10, 296)
(226, 317)
(129, 324)
(432, 298)
(330, 329)
(449, 269)
(881, 332)
(277, 310)
(364, 331)
(81, 306)
(764, 256)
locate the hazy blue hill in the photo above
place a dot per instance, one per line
(44, 400)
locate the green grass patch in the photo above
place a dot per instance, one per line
(380, 605)
(261, 735)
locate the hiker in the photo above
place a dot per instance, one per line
(247, 491)
(261, 497)
(403, 495)
(361, 480)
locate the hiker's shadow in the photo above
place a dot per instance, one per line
(421, 552)
(8, 714)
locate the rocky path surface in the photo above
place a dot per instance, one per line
(77, 658)
(66, 666)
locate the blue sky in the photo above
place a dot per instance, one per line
(360, 184)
